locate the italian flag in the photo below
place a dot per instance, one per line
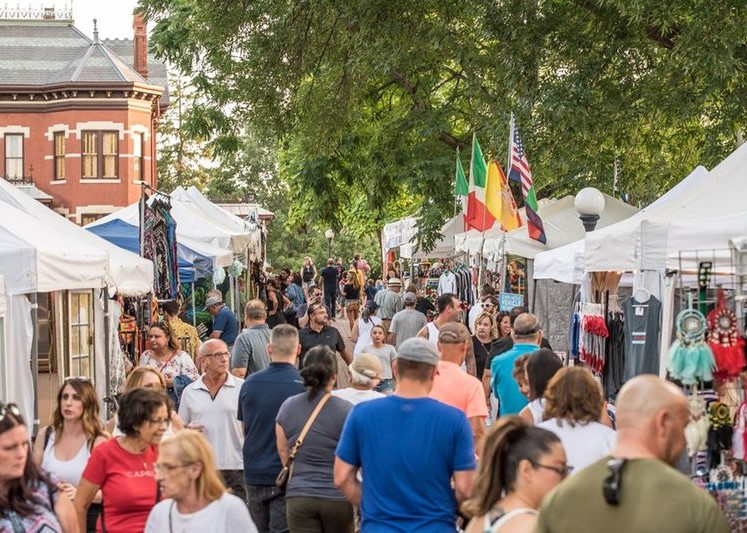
(478, 217)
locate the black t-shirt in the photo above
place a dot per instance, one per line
(307, 274)
(424, 305)
(482, 353)
(505, 344)
(351, 292)
(328, 336)
(329, 275)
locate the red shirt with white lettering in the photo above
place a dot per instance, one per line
(128, 485)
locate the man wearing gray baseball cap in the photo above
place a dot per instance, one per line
(411, 448)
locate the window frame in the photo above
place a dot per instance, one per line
(99, 155)
(6, 158)
(138, 166)
(58, 159)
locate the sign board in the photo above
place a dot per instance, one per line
(507, 301)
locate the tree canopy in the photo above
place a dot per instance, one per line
(366, 100)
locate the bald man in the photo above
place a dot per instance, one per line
(637, 488)
(527, 335)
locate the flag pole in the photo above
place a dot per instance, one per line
(456, 177)
(508, 184)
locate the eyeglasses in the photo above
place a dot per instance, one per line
(216, 354)
(160, 421)
(9, 408)
(612, 487)
(562, 471)
(167, 468)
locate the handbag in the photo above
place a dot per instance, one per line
(285, 473)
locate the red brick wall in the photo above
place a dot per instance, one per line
(72, 194)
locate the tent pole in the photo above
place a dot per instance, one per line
(35, 357)
(194, 312)
(107, 350)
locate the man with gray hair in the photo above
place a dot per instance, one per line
(406, 323)
(250, 349)
(365, 374)
(526, 334)
(259, 401)
(396, 495)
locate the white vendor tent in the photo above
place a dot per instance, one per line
(190, 222)
(562, 226)
(444, 246)
(126, 272)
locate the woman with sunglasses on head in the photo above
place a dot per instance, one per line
(573, 411)
(29, 499)
(520, 465)
(145, 377)
(62, 448)
(166, 356)
(195, 499)
(123, 466)
(482, 340)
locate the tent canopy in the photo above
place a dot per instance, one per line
(190, 223)
(444, 246)
(562, 226)
(127, 236)
(35, 257)
(130, 274)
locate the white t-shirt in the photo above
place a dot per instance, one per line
(584, 443)
(227, 513)
(356, 396)
(364, 333)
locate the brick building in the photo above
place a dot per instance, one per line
(78, 116)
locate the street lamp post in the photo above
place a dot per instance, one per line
(589, 203)
(330, 234)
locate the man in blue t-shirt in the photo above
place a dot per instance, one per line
(407, 484)
(260, 398)
(527, 336)
(225, 325)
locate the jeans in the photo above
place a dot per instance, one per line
(234, 481)
(267, 507)
(316, 515)
(330, 298)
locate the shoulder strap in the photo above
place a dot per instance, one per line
(503, 520)
(168, 361)
(47, 435)
(308, 425)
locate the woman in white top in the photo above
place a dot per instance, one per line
(573, 412)
(520, 464)
(361, 333)
(165, 356)
(195, 499)
(145, 377)
(63, 447)
(539, 370)
(386, 355)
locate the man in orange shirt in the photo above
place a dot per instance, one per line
(453, 386)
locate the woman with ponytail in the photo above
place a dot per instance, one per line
(520, 465)
(313, 503)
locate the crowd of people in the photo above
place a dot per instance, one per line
(459, 423)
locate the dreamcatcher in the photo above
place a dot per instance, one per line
(724, 339)
(690, 358)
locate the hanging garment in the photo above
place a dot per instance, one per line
(614, 368)
(642, 330)
(447, 283)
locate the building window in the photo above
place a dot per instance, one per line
(59, 155)
(100, 154)
(14, 156)
(137, 155)
(88, 218)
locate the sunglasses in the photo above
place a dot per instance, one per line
(612, 486)
(77, 378)
(9, 408)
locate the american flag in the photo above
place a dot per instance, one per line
(520, 172)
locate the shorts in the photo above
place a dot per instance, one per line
(307, 284)
(385, 385)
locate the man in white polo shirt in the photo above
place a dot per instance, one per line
(210, 404)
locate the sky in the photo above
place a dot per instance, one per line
(114, 16)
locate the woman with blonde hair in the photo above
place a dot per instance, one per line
(573, 411)
(195, 498)
(352, 292)
(145, 377)
(482, 340)
(63, 447)
(308, 275)
(520, 465)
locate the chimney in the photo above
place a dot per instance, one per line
(140, 54)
